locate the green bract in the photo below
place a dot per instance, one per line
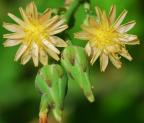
(52, 83)
(76, 64)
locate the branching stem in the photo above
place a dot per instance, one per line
(75, 4)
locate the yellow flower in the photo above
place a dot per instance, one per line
(107, 37)
(35, 32)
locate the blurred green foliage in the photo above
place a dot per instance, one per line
(119, 93)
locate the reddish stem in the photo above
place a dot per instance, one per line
(43, 118)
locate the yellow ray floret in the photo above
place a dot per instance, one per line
(107, 38)
(36, 34)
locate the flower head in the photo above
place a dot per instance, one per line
(35, 32)
(107, 38)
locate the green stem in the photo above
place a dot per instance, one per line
(75, 4)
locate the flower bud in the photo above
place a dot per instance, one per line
(52, 83)
(75, 61)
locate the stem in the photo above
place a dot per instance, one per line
(75, 4)
(43, 115)
(43, 118)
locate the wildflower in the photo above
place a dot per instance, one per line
(35, 33)
(107, 38)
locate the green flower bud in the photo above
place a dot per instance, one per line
(75, 61)
(52, 83)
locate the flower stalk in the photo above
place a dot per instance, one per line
(71, 10)
(43, 115)
(43, 118)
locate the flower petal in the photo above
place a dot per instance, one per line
(59, 24)
(130, 39)
(58, 42)
(23, 14)
(115, 60)
(120, 19)
(35, 55)
(50, 46)
(88, 30)
(103, 62)
(125, 54)
(43, 57)
(104, 21)
(92, 21)
(88, 49)
(51, 21)
(133, 42)
(12, 27)
(52, 54)
(82, 35)
(99, 13)
(112, 14)
(43, 18)
(96, 54)
(16, 19)
(31, 10)
(20, 51)
(10, 43)
(14, 36)
(58, 30)
(126, 27)
(26, 57)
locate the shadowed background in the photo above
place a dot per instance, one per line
(119, 93)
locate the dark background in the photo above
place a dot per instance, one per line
(119, 93)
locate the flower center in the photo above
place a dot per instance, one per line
(105, 38)
(34, 32)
